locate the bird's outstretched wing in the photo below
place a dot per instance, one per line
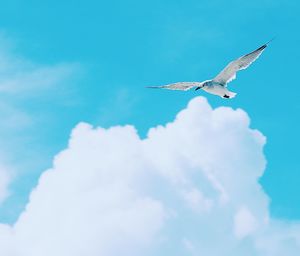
(229, 72)
(182, 86)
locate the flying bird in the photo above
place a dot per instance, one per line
(218, 85)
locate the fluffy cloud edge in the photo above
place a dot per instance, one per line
(188, 186)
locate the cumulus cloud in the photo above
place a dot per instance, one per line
(244, 223)
(190, 188)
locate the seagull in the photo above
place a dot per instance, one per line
(218, 85)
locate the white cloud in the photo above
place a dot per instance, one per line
(33, 78)
(244, 223)
(5, 177)
(190, 188)
(22, 80)
(20, 75)
(196, 200)
(7, 246)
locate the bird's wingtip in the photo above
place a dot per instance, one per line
(274, 37)
(154, 87)
(267, 43)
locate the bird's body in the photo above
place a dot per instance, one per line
(216, 88)
(218, 85)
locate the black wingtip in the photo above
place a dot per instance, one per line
(266, 44)
(270, 40)
(262, 47)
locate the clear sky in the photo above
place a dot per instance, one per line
(99, 56)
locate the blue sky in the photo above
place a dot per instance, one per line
(113, 49)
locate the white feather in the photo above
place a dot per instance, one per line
(229, 72)
(182, 86)
(218, 85)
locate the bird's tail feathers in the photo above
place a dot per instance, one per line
(233, 94)
(230, 95)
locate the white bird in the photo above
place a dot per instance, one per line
(218, 85)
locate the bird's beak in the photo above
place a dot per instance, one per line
(197, 88)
